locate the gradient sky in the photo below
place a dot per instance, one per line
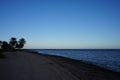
(62, 23)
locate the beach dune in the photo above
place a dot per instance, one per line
(24, 65)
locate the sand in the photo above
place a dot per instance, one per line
(24, 65)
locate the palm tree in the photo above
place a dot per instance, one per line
(13, 42)
(21, 43)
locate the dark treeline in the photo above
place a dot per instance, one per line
(12, 44)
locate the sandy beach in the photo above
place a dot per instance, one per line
(24, 65)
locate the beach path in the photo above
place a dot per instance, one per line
(22, 65)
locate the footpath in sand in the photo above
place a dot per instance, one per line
(23, 65)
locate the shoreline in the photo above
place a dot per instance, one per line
(86, 62)
(75, 62)
(75, 69)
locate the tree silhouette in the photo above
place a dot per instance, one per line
(5, 45)
(20, 43)
(13, 42)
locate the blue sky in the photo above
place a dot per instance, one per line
(62, 23)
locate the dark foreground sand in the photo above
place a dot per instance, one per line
(22, 65)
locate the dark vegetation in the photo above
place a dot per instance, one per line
(12, 45)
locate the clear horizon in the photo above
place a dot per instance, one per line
(62, 24)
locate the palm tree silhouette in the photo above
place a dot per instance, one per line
(21, 43)
(13, 42)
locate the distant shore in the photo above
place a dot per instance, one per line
(28, 65)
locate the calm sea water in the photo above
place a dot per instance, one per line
(107, 58)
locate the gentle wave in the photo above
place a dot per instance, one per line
(109, 59)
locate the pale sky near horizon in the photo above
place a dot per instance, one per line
(62, 23)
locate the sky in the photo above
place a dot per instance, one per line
(62, 24)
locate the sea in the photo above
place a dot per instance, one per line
(106, 58)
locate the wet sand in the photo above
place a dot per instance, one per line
(24, 65)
